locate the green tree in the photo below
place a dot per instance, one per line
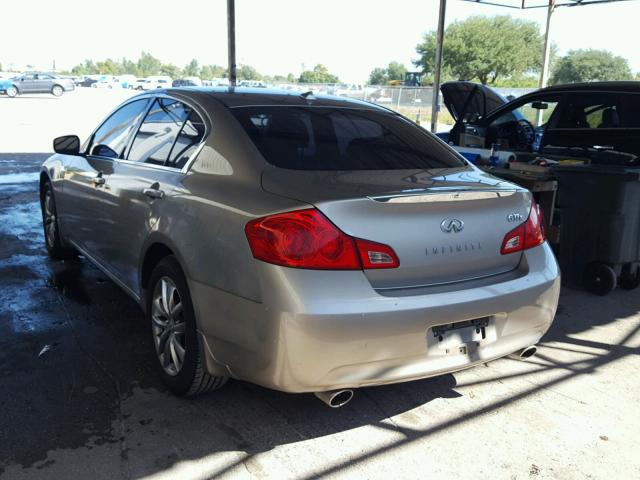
(108, 67)
(148, 65)
(485, 48)
(274, 78)
(170, 70)
(396, 71)
(128, 67)
(247, 72)
(192, 69)
(86, 68)
(380, 76)
(209, 72)
(319, 74)
(590, 65)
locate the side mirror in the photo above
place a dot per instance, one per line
(67, 145)
(539, 105)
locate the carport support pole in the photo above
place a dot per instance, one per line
(231, 40)
(546, 54)
(438, 66)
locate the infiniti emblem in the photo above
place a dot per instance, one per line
(449, 225)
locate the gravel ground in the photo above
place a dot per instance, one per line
(80, 397)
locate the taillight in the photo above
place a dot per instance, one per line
(376, 255)
(307, 239)
(526, 235)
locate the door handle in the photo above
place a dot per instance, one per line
(97, 181)
(603, 147)
(153, 192)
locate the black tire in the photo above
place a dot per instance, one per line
(12, 92)
(192, 377)
(628, 280)
(56, 247)
(599, 278)
(57, 91)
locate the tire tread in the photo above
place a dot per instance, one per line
(201, 381)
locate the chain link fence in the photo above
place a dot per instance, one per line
(412, 102)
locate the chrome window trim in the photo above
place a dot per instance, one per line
(181, 171)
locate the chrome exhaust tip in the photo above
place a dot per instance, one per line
(524, 353)
(335, 398)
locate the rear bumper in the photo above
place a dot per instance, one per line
(319, 331)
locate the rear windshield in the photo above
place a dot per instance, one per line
(329, 138)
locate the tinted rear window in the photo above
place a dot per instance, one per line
(328, 138)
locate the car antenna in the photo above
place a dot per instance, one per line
(306, 94)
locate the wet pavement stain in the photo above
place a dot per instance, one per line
(69, 282)
(66, 362)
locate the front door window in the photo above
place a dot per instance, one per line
(522, 129)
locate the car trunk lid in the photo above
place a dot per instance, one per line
(445, 225)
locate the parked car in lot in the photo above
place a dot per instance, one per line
(303, 243)
(595, 120)
(252, 84)
(107, 81)
(87, 81)
(156, 81)
(36, 82)
(127, 81)
(187, 82)
(138, 83)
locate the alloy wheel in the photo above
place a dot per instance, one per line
(49, 219)
(168, 325)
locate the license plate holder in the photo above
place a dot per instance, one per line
(460, 337)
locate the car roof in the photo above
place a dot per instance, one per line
(618, 86)
(247, 96)
(613, 86)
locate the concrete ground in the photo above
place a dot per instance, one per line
(79, 396)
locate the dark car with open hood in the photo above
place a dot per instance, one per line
(597, 120)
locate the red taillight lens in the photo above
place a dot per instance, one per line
(307, 239)
(527, 235)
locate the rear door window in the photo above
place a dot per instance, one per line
(329, 138)
(168, 135)
(592, 110)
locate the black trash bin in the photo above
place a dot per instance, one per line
(599, 208)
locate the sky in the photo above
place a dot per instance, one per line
(350, 37)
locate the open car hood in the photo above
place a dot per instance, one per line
(468, 101)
